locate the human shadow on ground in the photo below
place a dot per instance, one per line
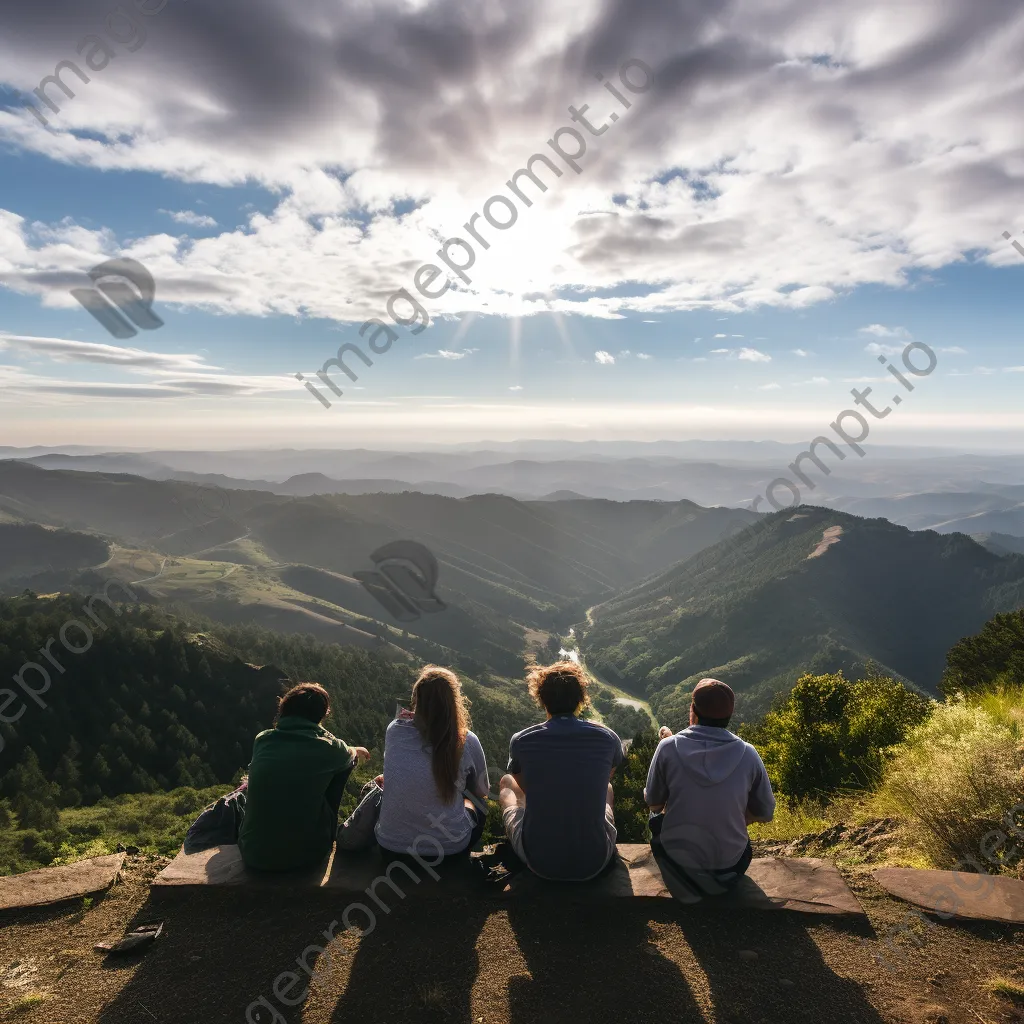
(594, 963)
(220, 952)
(418, 965)
(764, 967)
(652, 960)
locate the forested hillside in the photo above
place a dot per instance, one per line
(288, 563)
(26, 548)
(158, 703)
(805, 590)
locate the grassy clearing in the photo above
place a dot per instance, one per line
(154, 822)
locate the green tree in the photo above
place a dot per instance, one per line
(831, 733)
(68, 776)
(995, 655)
(628, 784)
(626, 720)
(33, 797)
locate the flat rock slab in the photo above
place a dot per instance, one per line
(53, 885)
(806, 884)
(956, 894)
(223, 865)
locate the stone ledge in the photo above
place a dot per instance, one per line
(956, 894)
(54, 885)
(808, 885)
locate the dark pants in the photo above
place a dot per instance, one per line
(336, 791)
(706, 882)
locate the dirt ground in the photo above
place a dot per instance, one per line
(485, 961)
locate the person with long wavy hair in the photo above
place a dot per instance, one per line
(435, 773)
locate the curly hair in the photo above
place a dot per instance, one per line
(561, 688)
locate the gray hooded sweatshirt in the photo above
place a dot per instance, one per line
(710, 780)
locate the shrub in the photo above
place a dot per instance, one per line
(628, 784)
(186, 801)
(831, 734)
(958, 778)
(994, 655)
(626, 720)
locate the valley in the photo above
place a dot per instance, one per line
(657, 597)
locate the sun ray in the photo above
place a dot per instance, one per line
(460, 332)
(515, 333)
(562, 326)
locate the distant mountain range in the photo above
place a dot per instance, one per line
(804, 590)
(707, 472)
(667, 599)
(973, 512)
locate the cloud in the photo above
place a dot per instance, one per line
(516, 387)
(625, 353)
(1013, 369)
(192, 219)
(813, 380)
(62, 350)
(360, 169)
(802, 353)
(866, 380)
(881, 331)
(953, 350)
(721, 335)
(604, 358)
(650, 321)
(444, 353)
(184, 387)
(876, 348)
(643, 355)
(770, 387)
(746, 355)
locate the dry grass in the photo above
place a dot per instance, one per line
(1012, 990)
(24, 1003)
(956, 778)
(791, 822)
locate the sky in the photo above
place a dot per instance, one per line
(742, 212)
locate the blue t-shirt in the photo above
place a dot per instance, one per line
(565, 765)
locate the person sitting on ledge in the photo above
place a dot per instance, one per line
(296, 780)
(556, 801)
(435, 782)
(704, 786)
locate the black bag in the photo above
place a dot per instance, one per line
(218, 825)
